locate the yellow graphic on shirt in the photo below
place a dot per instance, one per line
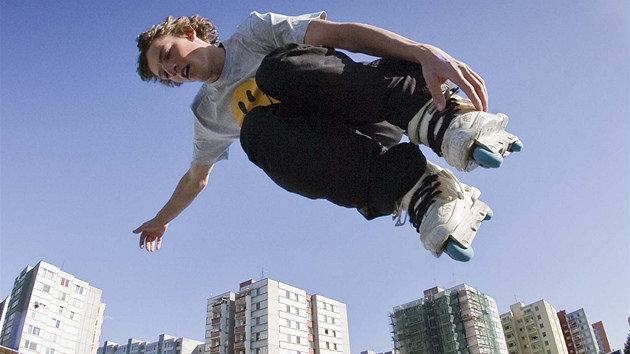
(246, 97)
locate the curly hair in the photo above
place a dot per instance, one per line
(205, 29)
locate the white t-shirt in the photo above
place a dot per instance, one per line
(219, 107)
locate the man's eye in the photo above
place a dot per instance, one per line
(168, 54)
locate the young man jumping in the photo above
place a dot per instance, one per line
(323, 126)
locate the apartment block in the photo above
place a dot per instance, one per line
(166, 344)
(456, 320)
(578, 333)
(51, 311)
(269, 317)
(533, 329)
(602, 338)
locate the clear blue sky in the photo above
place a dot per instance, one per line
(89, 152)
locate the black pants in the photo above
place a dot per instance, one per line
(335, 133)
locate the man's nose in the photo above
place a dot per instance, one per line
(170, 68)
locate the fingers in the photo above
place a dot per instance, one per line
(151, 233)
(148, 242)
(440, 67)
(435, 88)
(473, 86)
(481, 89)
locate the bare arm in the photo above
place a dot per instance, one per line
(437, 66)
(188, 188)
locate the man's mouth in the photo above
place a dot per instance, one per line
(186, 71)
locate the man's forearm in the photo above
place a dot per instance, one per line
(437, 65)
(188, 188)
(362, 38)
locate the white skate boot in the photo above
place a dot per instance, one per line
(446, 213)
(466, 137)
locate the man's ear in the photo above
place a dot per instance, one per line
(189, 32)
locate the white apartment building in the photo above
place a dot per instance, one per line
(533, 329)
(269, 317)
(166, 344)
(52, 312)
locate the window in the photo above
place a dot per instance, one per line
(71, 330)
(51, 337)
(259, 335)
(30, 345)
(38, 316)
(34, 330)
(79, 289)
(47, 273)
(259, 305)
(296, 311)
(295, 339)
(65, 282)
(54, 322)
(259, 320)
(76, 302)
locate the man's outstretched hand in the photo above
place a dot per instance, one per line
(151, 233)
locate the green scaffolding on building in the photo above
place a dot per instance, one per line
(457, 320)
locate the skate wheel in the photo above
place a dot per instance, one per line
(516, 146)
(487, 158)
(489, 215)
(458, 252)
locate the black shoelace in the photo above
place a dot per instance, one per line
(427, 193)
(435, 140)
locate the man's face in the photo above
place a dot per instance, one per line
(182, 59)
